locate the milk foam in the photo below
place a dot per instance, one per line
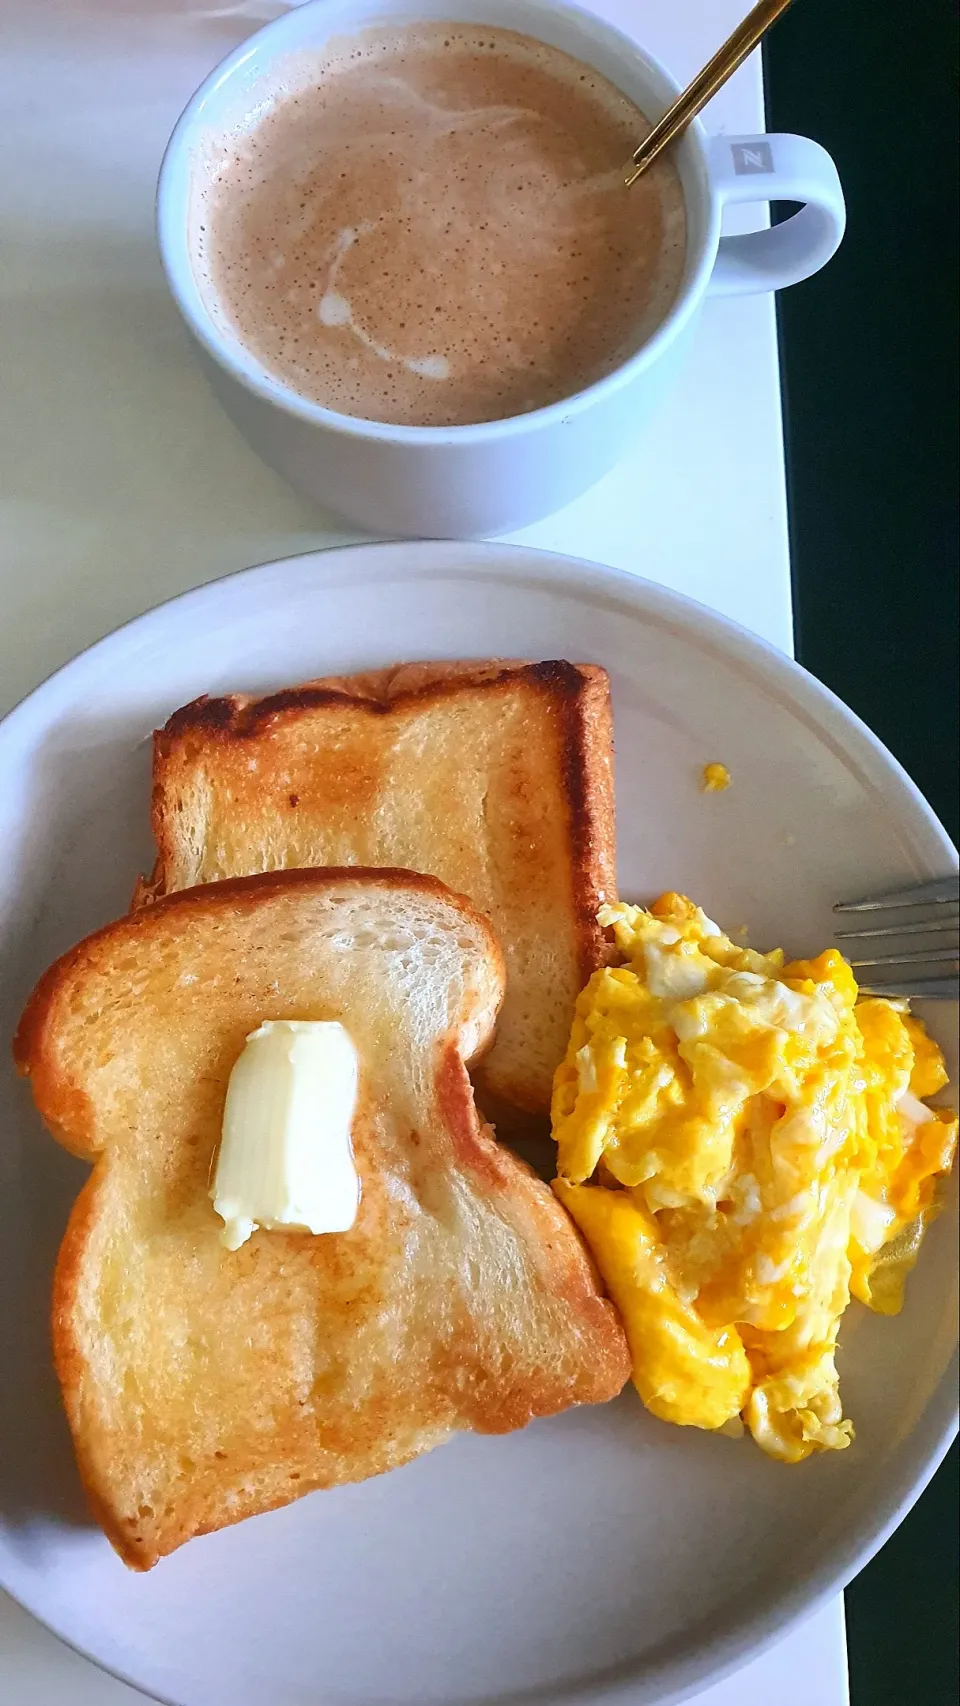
(335, 310)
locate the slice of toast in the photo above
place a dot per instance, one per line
(495, 777)
(204, 1385)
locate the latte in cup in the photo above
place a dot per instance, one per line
(427, 225)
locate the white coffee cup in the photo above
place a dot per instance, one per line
(467, 481)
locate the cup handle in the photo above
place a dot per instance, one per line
(775, 168)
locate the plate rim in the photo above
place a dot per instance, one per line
(662, 602)
(721, 1653)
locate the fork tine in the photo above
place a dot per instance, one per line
(919, 927)
(941, 890)
(921, 989)
(926, 957)
(926, 909)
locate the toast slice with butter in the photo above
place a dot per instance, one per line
(495, 777)
(204, 1384)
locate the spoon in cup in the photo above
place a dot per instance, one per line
(705, 85)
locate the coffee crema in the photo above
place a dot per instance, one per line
(427, 225)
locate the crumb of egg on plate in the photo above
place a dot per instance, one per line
(745, 1144)
(715, 779)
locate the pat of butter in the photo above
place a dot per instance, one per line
(286, 1159)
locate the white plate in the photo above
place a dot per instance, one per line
(597, 1556)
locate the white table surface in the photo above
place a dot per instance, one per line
(121, 483)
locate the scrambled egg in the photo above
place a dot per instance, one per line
(744, 1144)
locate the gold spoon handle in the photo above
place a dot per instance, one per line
(705, 85)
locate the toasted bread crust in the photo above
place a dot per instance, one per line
(464, 1384)
(68, 1359)
(207, 732)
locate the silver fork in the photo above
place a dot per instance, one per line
(928, 973)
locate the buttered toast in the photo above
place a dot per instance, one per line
(495, 777)
(203, 1385)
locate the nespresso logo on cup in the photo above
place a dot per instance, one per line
(752, 157)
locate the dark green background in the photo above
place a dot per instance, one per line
(869, 361)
